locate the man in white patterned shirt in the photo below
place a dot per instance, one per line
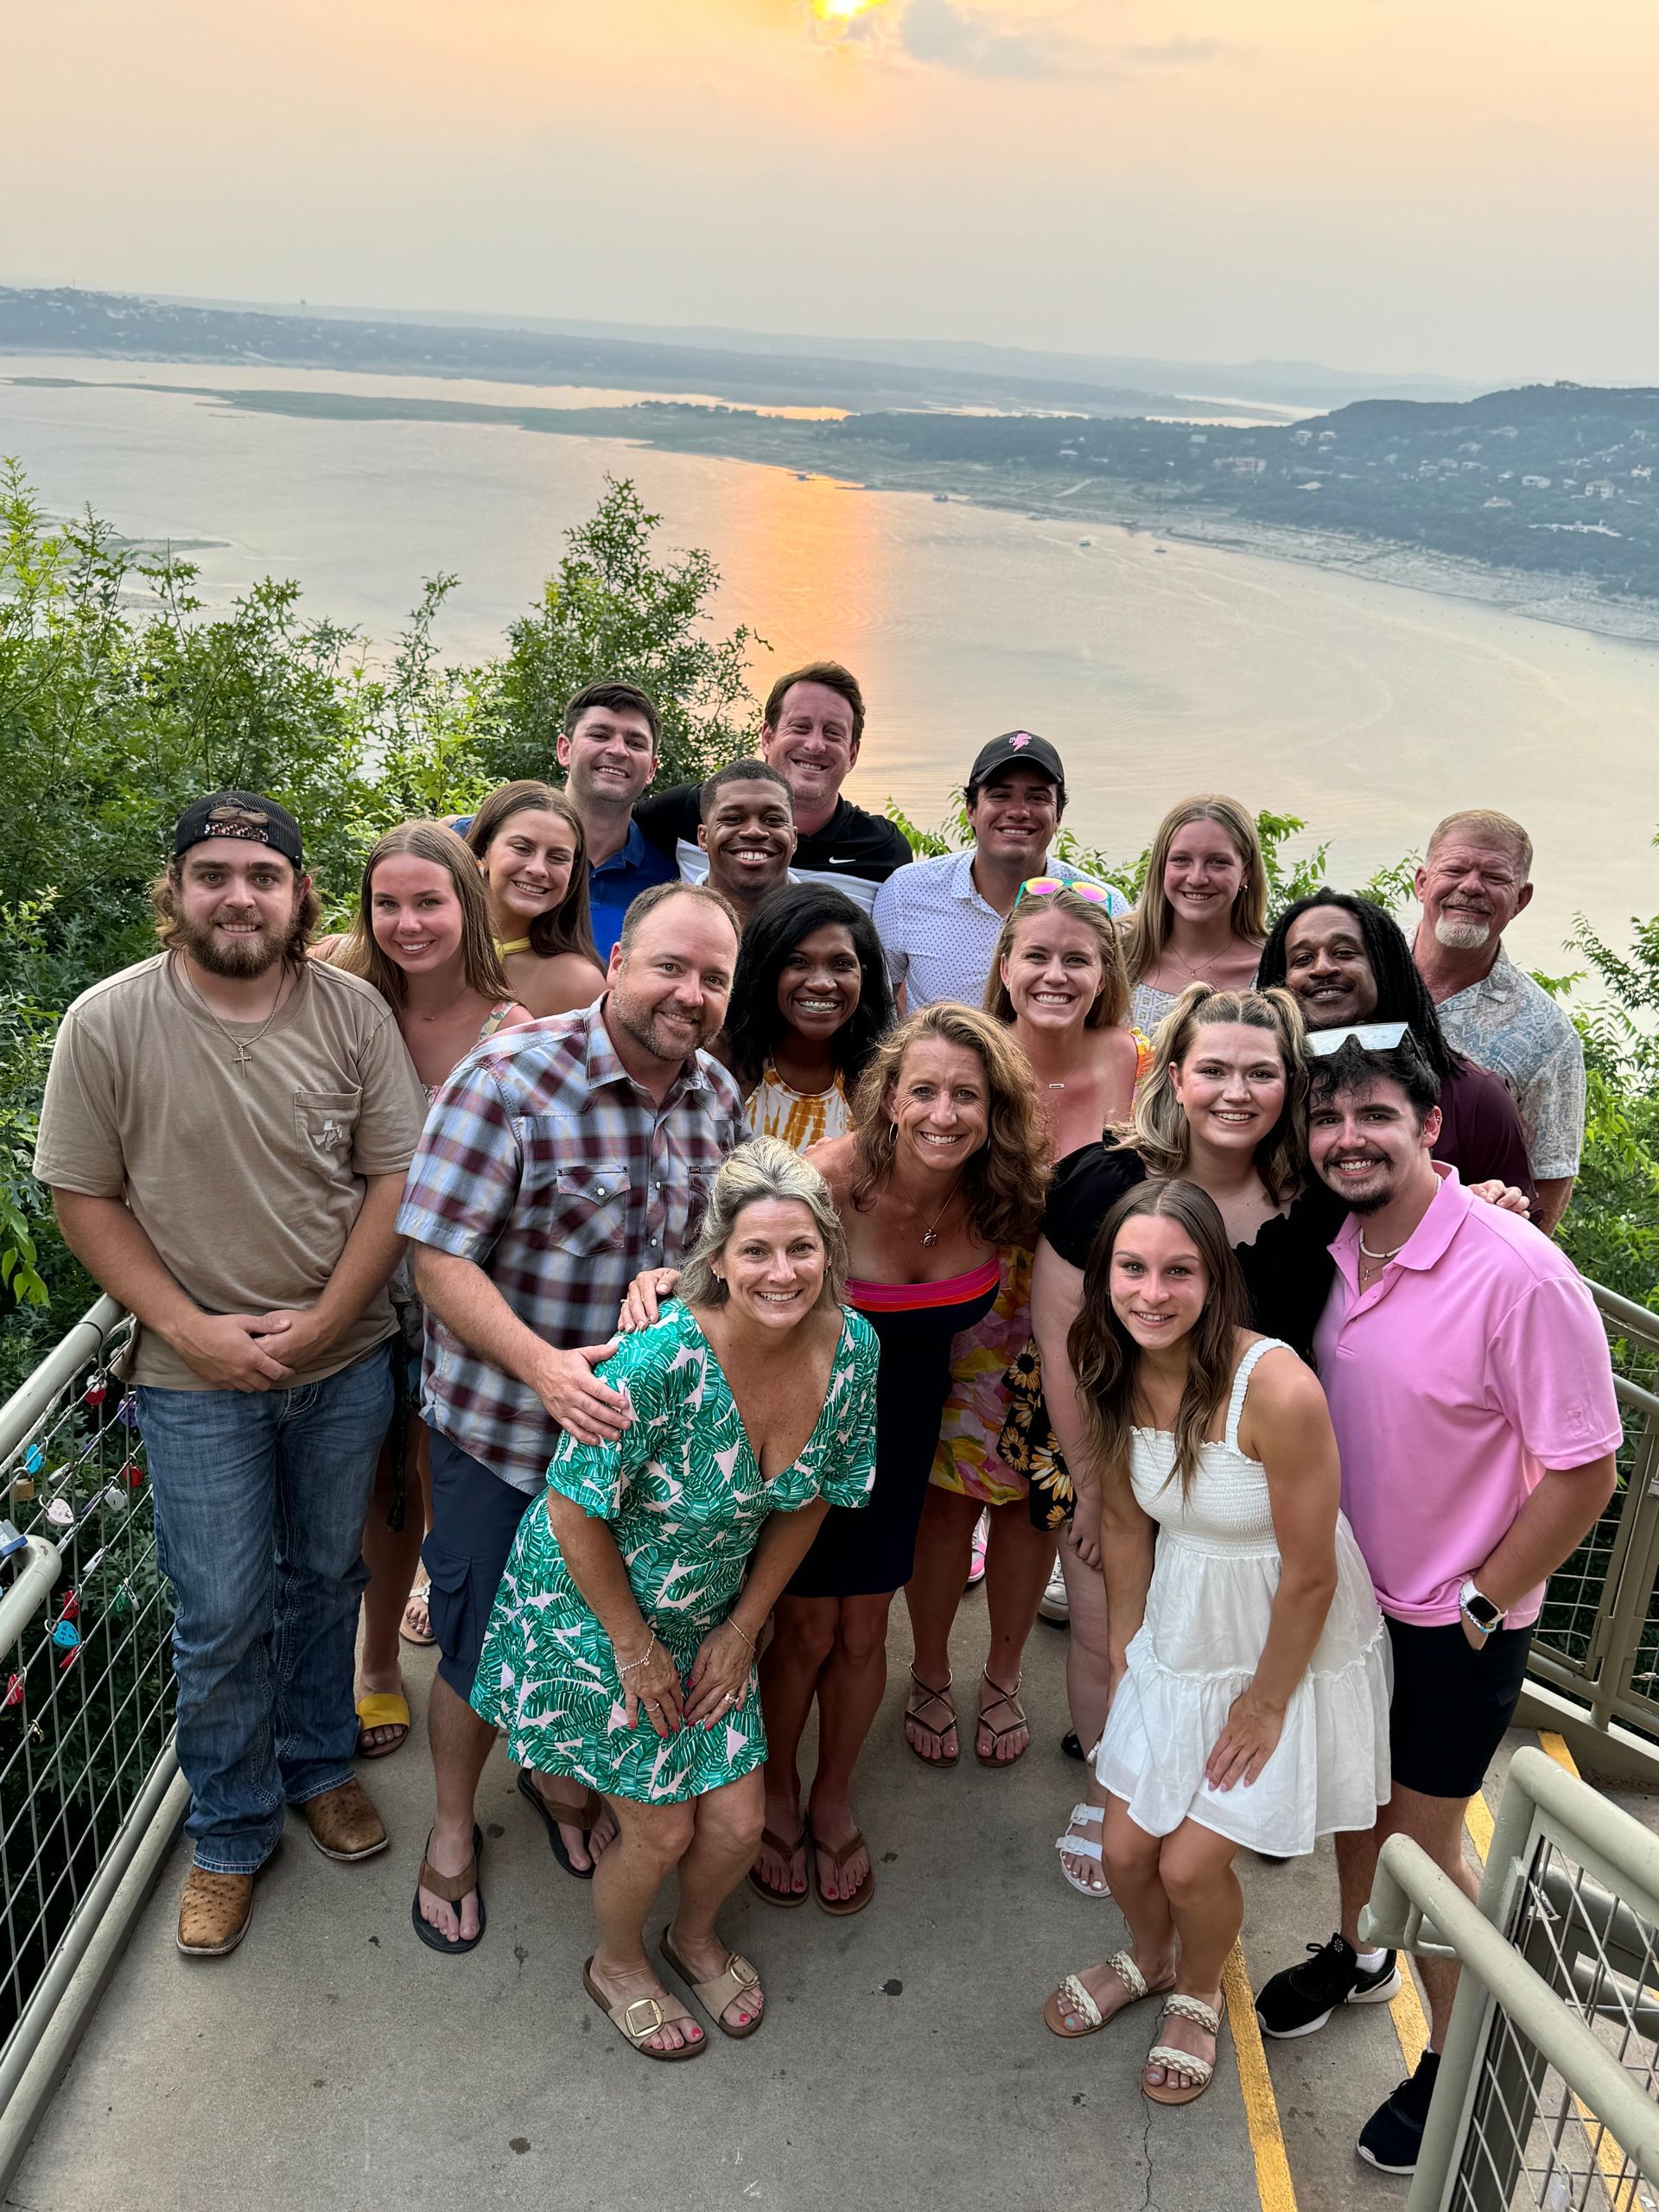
(1476, 878)
(939, 920)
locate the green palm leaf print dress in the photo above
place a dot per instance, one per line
(685, 1500)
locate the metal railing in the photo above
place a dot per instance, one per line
(88, 1777)
(1544, 2098)
(1596, 1643)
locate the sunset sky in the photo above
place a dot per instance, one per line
(1465, 187)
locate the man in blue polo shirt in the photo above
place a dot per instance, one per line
(607, 749)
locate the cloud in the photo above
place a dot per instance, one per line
(1175, 53)
(952, 37)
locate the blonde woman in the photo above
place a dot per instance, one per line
(533, 859)
(1202, 917)
(1057, 985)
(422, 937)
(620, 1652)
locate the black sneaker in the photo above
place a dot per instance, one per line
(1302, 1998)
(1392, 2137)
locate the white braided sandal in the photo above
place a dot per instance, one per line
(1073, 1846)
(1177, 2006)
(1072, 1995)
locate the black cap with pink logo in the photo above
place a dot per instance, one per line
(1017, 747)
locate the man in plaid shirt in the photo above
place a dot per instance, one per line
(557, 1162)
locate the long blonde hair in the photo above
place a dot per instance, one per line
(1158, 1129)
(1105, 1358)
(1111, 1006)
(1005, 1181)
(358, 953)
(1145, 932)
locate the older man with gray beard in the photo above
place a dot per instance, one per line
(1473, 883)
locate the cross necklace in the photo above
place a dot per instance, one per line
(240, 1047)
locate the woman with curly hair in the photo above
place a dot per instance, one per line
(1202, 910)
(533, 858)
(809, 1001)
(942, 1171)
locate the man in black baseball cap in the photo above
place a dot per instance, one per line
(939, 920)
(225, 1133)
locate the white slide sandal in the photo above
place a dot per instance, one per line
(1073, 1844)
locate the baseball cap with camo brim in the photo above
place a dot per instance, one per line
(1015, 747)
(239, 813)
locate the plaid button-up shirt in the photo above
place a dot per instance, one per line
(546, 1163)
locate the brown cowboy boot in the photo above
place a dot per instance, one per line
(343, 1823)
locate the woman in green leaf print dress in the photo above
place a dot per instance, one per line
(620, 1651)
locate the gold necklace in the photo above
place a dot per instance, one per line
(931, 1236)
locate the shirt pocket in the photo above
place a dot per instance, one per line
(325, 1123)
(583, 1205)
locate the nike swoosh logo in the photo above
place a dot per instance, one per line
(841, 859)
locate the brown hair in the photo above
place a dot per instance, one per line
(1111, 1006)
(1486, 821)
(163, 897)
(833, 676)
(1005, 1181)
(1146, 931)
(1158, 1129)
(360, 952)
(620, 698)
(1106, 1360)
(648, 902)
(563, 928)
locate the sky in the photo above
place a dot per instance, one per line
(1465, 188)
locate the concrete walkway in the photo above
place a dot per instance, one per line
(333, 2064)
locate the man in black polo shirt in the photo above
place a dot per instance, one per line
(811, 729)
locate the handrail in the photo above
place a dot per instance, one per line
(33, 1397)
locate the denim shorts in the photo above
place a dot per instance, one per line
(475, 1516)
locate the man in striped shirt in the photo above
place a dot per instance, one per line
(557, 1161)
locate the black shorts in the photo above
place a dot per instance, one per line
(475, 1516)
(1452, 1704)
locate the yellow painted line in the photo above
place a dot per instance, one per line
(1556, 1747)
(1410, 2021)
(1272, 2183)
(1478, 1819)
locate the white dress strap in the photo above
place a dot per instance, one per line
(1242, 1383)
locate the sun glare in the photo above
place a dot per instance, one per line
(844, 11)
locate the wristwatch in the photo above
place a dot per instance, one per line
(1477, 1610)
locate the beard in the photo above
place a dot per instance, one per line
(240, 959)
(1461, 932)
(644, 1026)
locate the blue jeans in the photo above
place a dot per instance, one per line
(260, 1499)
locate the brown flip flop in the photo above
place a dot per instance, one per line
(622, 2018)
(931, 1696)
(838, 1855)
(787, 1899)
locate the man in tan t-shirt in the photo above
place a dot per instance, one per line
(225, 1133)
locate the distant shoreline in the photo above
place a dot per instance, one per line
(778, 442)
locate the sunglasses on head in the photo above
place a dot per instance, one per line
(1370, 1036)
(1044, 887)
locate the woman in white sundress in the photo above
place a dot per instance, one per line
(1249, 1682)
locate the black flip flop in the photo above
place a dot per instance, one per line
(452, 1888)
(532, 1796)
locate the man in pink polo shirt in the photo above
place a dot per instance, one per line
(1472, 1393)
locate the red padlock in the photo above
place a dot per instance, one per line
(134, 1474)
(68, 1659)
(97, 1391)
(13, 1693)
(71, 1606)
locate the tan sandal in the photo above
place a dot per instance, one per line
(1074, 1993)
(737, 1979)
(638, 2022)
(1207, 2017)
(930, 1696)
(1011, 1698)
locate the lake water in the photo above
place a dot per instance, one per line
(1159, 668)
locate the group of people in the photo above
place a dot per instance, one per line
(683, 1221)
